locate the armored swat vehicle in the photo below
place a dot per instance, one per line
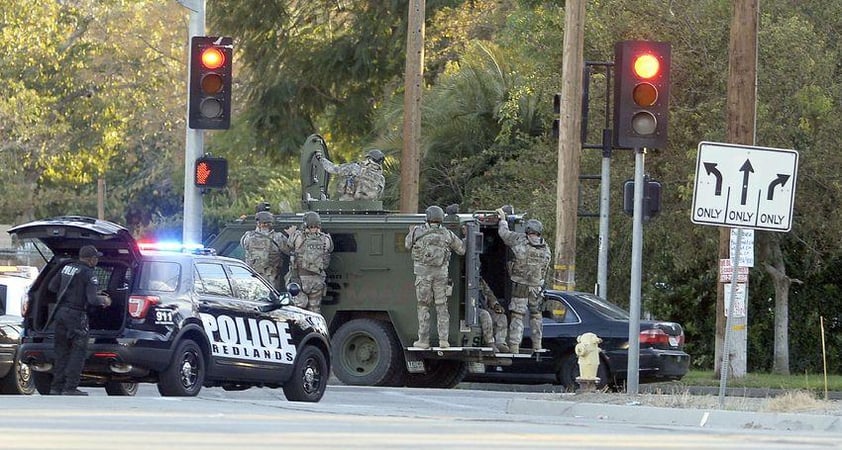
(370, 305)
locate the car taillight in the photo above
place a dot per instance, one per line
(654, 336)
(139, 305)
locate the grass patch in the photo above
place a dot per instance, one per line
(806, 382)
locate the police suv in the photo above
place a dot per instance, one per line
(181, 319)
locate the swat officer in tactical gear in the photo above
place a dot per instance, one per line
(431, 246)
(263, 247)
(310, 250)
(492, 319)
(76, 289)
(526, 270)
(362, 180)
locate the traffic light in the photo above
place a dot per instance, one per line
(211, 172)
(210, 83)
(651, 198)
(641, 94)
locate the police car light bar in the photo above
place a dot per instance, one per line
(176, 247)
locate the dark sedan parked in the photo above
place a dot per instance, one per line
(571, 314)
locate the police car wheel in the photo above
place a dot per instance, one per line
(186, 372)
(117, 388)
(309, 376)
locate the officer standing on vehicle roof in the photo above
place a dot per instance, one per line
(363, 180)
(531, 260)
(310, 250)
(263, 247)
(431, 245)
(76, 287)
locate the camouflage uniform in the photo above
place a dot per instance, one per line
(531, 260)
(492, 319)
(310, 250)
(431, 246)
(362, 180)
(263, 252)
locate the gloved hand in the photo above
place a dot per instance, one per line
(501, 214)
(498, 308)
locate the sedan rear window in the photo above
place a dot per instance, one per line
(160, 276)
(604, 308)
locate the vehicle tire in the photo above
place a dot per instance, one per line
(441, 373)
(366, 352)
(42, 382)
(117, 388)
(569, 371)
(186, 372)
(309, 376)
(18, 380)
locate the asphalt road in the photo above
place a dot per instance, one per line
(358, 417)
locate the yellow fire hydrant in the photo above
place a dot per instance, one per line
(588, 350)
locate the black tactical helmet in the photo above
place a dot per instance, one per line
(312, 219)
(376, 156)
(534, 226)
(435, 214)
(264, 217)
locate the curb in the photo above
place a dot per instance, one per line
(648, 415)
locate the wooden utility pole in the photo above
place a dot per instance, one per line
(413, 86)
(569, 146)
(740, 118)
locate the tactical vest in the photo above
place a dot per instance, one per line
(432, 248)
(530, 263)
(262, 249)
(311, 255)
(370, 182)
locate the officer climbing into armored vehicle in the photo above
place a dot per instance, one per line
(362, 180)
(527, 269)
(492, 319)
(263, 247)
(310, 250)
(431, 246)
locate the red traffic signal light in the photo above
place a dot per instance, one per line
(210, 83)
(211, 172)
(641, 93)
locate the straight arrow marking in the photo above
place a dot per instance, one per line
(745, 169)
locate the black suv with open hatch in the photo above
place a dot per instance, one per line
(180, 319)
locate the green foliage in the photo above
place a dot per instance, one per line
(95, 89)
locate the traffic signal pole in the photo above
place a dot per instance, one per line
(195, 139)
(632, 382)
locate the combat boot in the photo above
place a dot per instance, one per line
(421, 344)
(444, 344)
(502, 348)
(514, 348)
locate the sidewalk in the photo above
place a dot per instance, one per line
(697, 418)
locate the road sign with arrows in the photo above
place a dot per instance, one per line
(744, 186)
